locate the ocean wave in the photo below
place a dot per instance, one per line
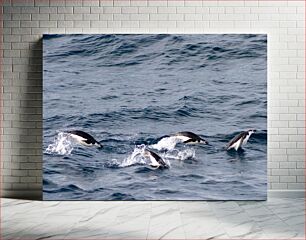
(128, 50)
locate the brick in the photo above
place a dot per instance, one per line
(210, 17)
(287, 165)
(28, 179)
(29, 10)
(167, 24)
(48, 10)
(88, 17)
(261, 10)
(105, 17)
(280, 172)
(300, 179)
(296, 158)
(48, 24)
(38, 31)
(166, 10)
(217, 10)
(96, 10)
(98, 24)
(122, 3)
(74, 3)
(300, 164)
(279, 186)
(140, 17)
(91, 3)
(296, 172)
(21, 16)
(193, 17)
(10, 179)
(273, 179)
(137, 3)
(62, 10)
(23, 3)
(158, 17)
(19, 173)
(229, 17)
(186, 10)
(148, 24)
(131, 10)
(64, 24)
(113, 24)
(11, 38)
(296, 186)
(222, 24)
(130, 24)
(291, 10)
(158, 3)
(82, 24)
(81, 10)
(41, 3)
(11, 24)
(21, 31)
(59, 3)
(287, 179)
(73, 16)
(176, 17)
(11, 10)
(39, 17)
(57, 17)
(147, 9)
(121, 17)
(185, 24)
(109, 10)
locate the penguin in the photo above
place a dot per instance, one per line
(240, 139)
(84, 138)
(189, 138)
(156, 160)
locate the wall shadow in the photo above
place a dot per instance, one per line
(31, 134)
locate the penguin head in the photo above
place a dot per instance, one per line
(203, 141)
(251, 131)
(99, 145)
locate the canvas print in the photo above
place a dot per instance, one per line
(155, 117)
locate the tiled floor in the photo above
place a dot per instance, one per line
(273, 219)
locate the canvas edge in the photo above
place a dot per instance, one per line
(37, 194)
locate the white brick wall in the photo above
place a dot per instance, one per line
(24, 22)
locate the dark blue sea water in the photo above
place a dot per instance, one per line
(128, 91)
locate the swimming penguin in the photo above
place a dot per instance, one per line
(156, 160)
(84, 138)
(189, 137)
(240, 139)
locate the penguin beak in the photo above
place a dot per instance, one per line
(99, 145)
(204, 142)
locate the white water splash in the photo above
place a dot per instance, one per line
(62, 145)
(181, 155)
(136, 157)
(166, 143)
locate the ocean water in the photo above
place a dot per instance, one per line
(130, 92)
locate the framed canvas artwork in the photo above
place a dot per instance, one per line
(155, 117)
